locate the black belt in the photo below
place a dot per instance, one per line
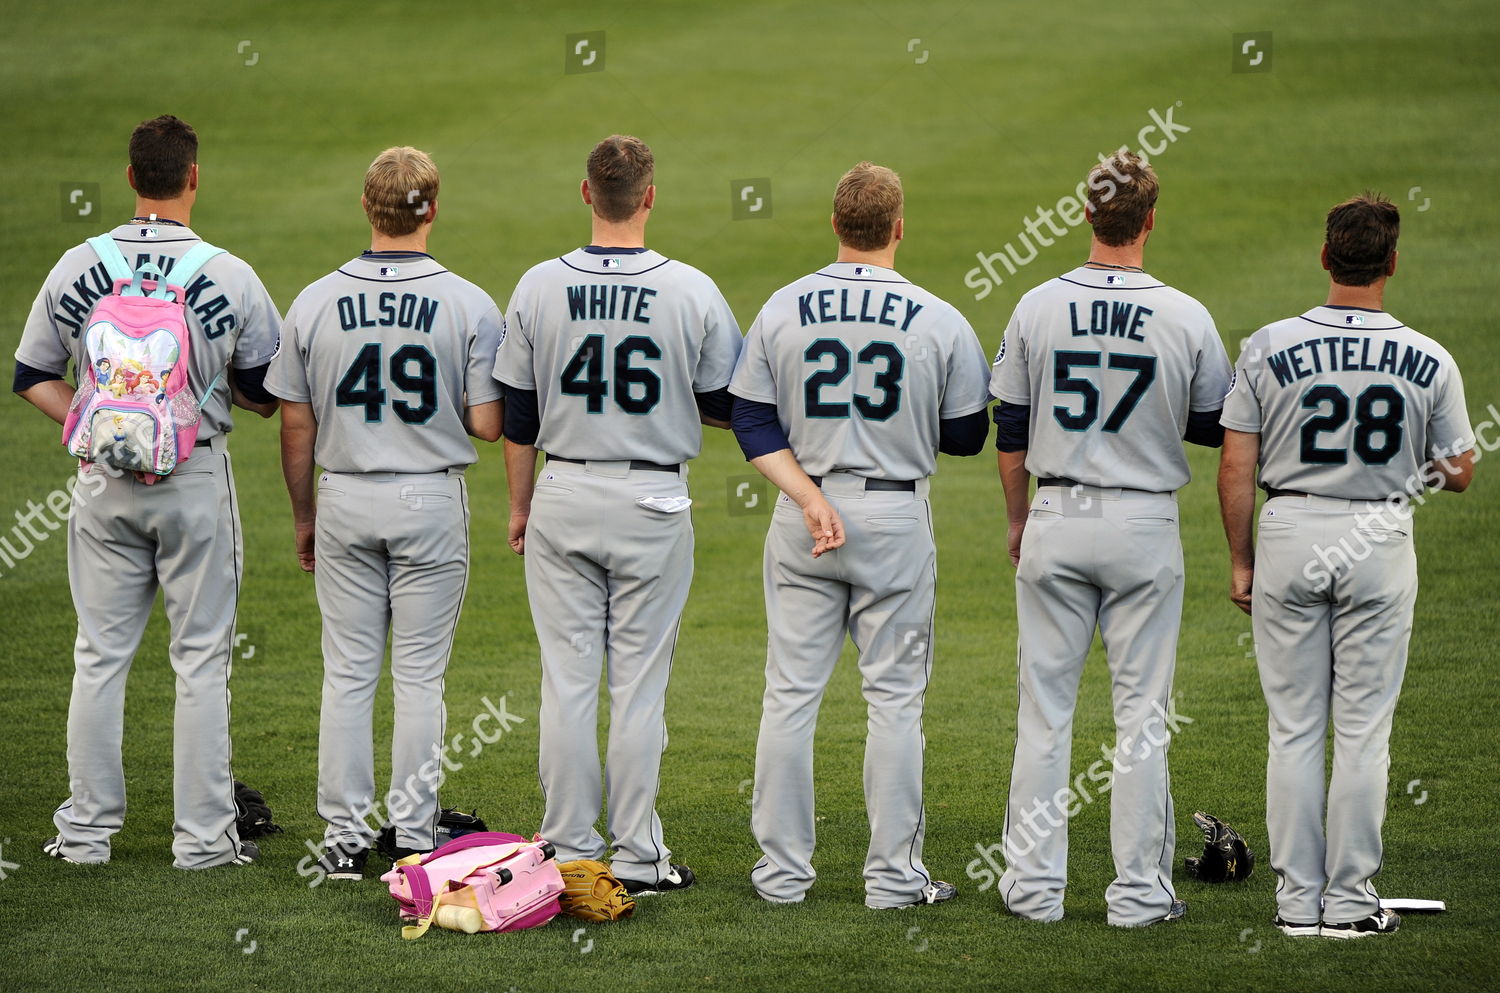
(887, 485)
(634, 463)
(1062, 481)
(1272, 492)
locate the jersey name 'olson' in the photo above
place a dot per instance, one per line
(406, 311)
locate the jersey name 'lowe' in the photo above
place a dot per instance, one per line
(1123, 348)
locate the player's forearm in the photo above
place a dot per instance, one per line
(787, 474)
(52, 398)
(1015, 480)
(1237, 495)
(299, 436)
(1453, 473)
(520, 473)
(485, 421)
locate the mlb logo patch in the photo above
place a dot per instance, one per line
(863, 270)
(149, 232)
(1353, 319)
(610, 263)
(1114, 279)
(389, 270)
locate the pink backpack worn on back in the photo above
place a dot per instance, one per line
(134, 409)
(486, 881)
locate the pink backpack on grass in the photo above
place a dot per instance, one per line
(485, 881)
(134, 409)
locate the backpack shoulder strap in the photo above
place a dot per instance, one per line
(193, 259)
(109, 253)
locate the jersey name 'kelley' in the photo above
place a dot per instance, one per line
(883, 314)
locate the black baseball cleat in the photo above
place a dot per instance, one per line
(1176, 912)
(52, 848)
(1293, 929)
(936, 891)
(248, 854)
(679, 878)
(1380, 922)
(344, 863)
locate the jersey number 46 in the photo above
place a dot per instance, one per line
(584, 376)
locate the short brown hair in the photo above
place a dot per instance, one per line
(620, 170)
(1124, 189)
(162, 153)
(1361, 237)
(867, 204)
(400, 187)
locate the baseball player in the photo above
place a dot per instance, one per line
(851, 381)
(181, 535)
(614, 356)
(1347, 414)
(384, 372)
(1102, 374)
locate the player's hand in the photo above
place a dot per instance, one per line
(1241, 578)
(516, 537)
(824, 524)
(1017, 528)
(306, 542)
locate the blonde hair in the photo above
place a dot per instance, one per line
(1124, 191)
(866, 206)
(400, 187)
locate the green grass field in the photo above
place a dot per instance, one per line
(988, 110)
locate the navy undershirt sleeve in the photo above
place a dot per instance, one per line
(28, 376)
(252, 383)
(523, 418)
(1203, 428)
(757, 428)
(963, 435)
(715, 405)
(1012, 426)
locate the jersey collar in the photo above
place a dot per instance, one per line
(146, 233)
(862, 272)
(1353, 319)
(1111, 279)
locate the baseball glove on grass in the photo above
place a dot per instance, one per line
(590, 892)
(1226, 857)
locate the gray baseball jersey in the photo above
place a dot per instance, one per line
(389, 349)
(894, 361)
(1349, 404)
(615, 343)
(230, 313)
(605, 338)
(861, 365)
(1111, 362)
(127, 539)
